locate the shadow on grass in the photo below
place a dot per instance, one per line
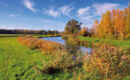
(49, 70)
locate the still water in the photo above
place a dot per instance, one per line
(73, 48)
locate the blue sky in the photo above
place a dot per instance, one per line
(53, 14)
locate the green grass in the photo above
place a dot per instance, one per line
(11, 35)
(16, 35)
(17, 62)
(121, 43)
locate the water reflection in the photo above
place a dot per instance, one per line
(72, 48)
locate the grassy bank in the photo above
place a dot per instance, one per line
(121, 43)
(17, 62)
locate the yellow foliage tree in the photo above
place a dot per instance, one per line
(115, 24)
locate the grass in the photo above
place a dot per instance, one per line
(11, 35)
(121, 43)
(17, 62)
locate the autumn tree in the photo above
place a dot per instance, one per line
(118, 24)
(120, 27)
(105, 26)
(108, 24)
(128, 22)
(114, 31)
(101, 29)
(93, 30)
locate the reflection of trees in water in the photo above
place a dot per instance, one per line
(72, 48)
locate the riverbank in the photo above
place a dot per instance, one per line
(121, 43)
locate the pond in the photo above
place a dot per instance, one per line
(72, 48)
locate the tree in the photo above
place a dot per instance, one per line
(108, 24)
(101, 30)
(72, 27)
(113, 22)
(93, 30)
(128, 22)
(120, 24)
(105, 27)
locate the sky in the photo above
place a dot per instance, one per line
(53, 14)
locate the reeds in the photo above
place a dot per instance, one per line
(63, 61)
(108, 61)
(43, 45)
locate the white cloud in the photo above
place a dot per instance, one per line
(83, 11)
(12, 15)
(84, 16)
(30, 5)
(66, 9)
(102, 8)
(53, 12)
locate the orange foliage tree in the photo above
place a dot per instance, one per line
(114, 24)
(93, 30)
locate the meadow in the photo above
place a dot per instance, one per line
(29, 58)
(17, 62)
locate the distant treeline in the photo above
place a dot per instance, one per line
(16, 31)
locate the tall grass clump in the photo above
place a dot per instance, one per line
(106, 63)
(63, 61)
(43, 45)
